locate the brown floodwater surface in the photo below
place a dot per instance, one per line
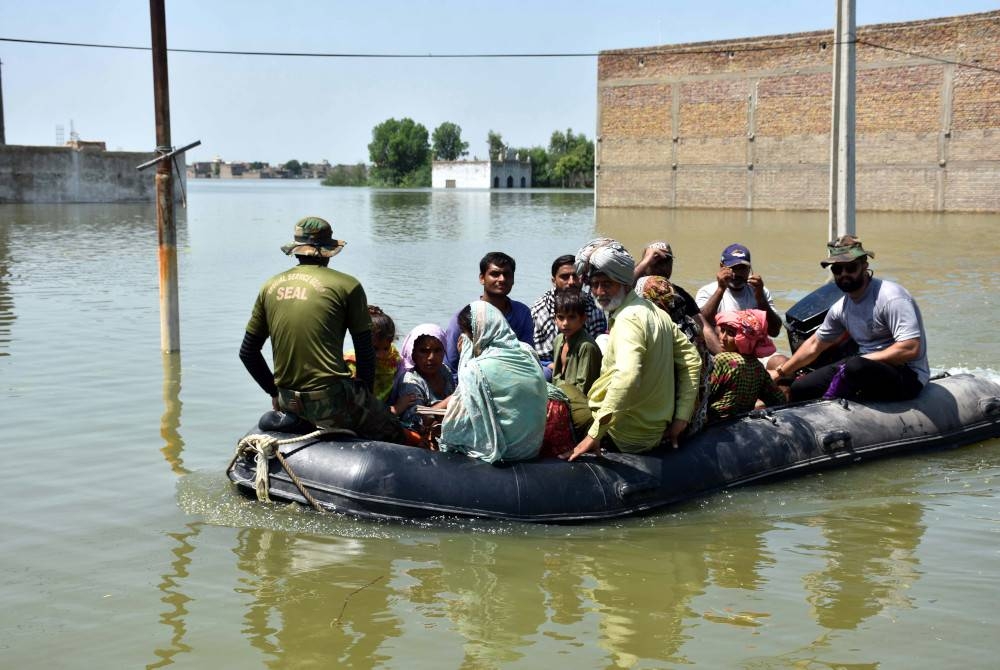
(125, 546)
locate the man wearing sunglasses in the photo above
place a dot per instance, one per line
(885, 322)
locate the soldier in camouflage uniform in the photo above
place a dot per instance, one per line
(306, 311)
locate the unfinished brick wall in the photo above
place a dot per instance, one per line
(746, 123)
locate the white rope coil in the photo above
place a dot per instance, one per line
(264, 447)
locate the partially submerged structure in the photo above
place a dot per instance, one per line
(505, 171)
(745, 123)
(77, 172)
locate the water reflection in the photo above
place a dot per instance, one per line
(314, 601)
(7, 315)
(402, 216)
(499, 597)
(170, 421)
(174, 617)
(871, 563)
(611, 597)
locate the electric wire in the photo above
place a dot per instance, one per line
(727, 50)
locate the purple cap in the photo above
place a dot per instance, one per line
(735, 254)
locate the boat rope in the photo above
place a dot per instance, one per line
(266, 447)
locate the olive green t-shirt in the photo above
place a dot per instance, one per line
(306, 312)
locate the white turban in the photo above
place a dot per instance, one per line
(606, 256)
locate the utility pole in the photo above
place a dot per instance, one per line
(842, 172)
(3, 137)
(170, 338)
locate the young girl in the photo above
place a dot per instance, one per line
(422, 378)
(386, 355)
(738, 379)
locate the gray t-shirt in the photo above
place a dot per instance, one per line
(885, 314)
(732, 301)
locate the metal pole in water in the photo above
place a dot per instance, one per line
(170, 338)
(3, 138)
(842, 192)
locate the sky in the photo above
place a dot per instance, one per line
(273, 109)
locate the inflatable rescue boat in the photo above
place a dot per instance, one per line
(388, 481)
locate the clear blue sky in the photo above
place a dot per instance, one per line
(275, 109)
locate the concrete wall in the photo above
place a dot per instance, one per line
(465, 174)
(746, 123)
(481, 174)
(31, 174)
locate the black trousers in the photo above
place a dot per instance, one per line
(868, 379)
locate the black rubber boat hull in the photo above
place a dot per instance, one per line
(386, 481)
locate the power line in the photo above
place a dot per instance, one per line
(727, 50)
(945, 61)
(301, 54)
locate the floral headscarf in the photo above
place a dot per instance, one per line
(658, 290)
(751, 331)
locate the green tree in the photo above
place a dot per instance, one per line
(256, 165)
(447, 142)
(540, 169)
(571, 159)
(496, 144)
(347, 175)
(293, 167)
(398, 148)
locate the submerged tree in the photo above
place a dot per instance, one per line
(496, 144)
(398, 150)
(571, 159)
(347, 175)
(446, 142)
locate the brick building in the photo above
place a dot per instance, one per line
(746, 123)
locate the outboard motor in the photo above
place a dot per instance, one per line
(805, 317)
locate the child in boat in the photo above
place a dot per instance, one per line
(386, 355)
(738, 379)
(576, 358)
(422, 378)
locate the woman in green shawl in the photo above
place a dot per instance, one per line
(497, 413)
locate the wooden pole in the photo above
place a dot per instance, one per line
(842, 192)
(170, 338)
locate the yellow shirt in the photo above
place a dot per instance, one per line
(649, 377)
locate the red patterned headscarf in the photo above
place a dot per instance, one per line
(751, 331)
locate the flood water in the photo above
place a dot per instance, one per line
(125, 546)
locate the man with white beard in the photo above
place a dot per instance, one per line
(646, 392)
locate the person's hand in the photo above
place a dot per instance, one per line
(756, 282)
(723, 277)
(654, 255)
(586, 445)
(674, 431)
(404, 403)
(274, 403)
(774, 374)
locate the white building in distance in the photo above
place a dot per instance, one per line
(502, 173)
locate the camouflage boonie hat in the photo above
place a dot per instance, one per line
(845, 249)
(313, 237)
